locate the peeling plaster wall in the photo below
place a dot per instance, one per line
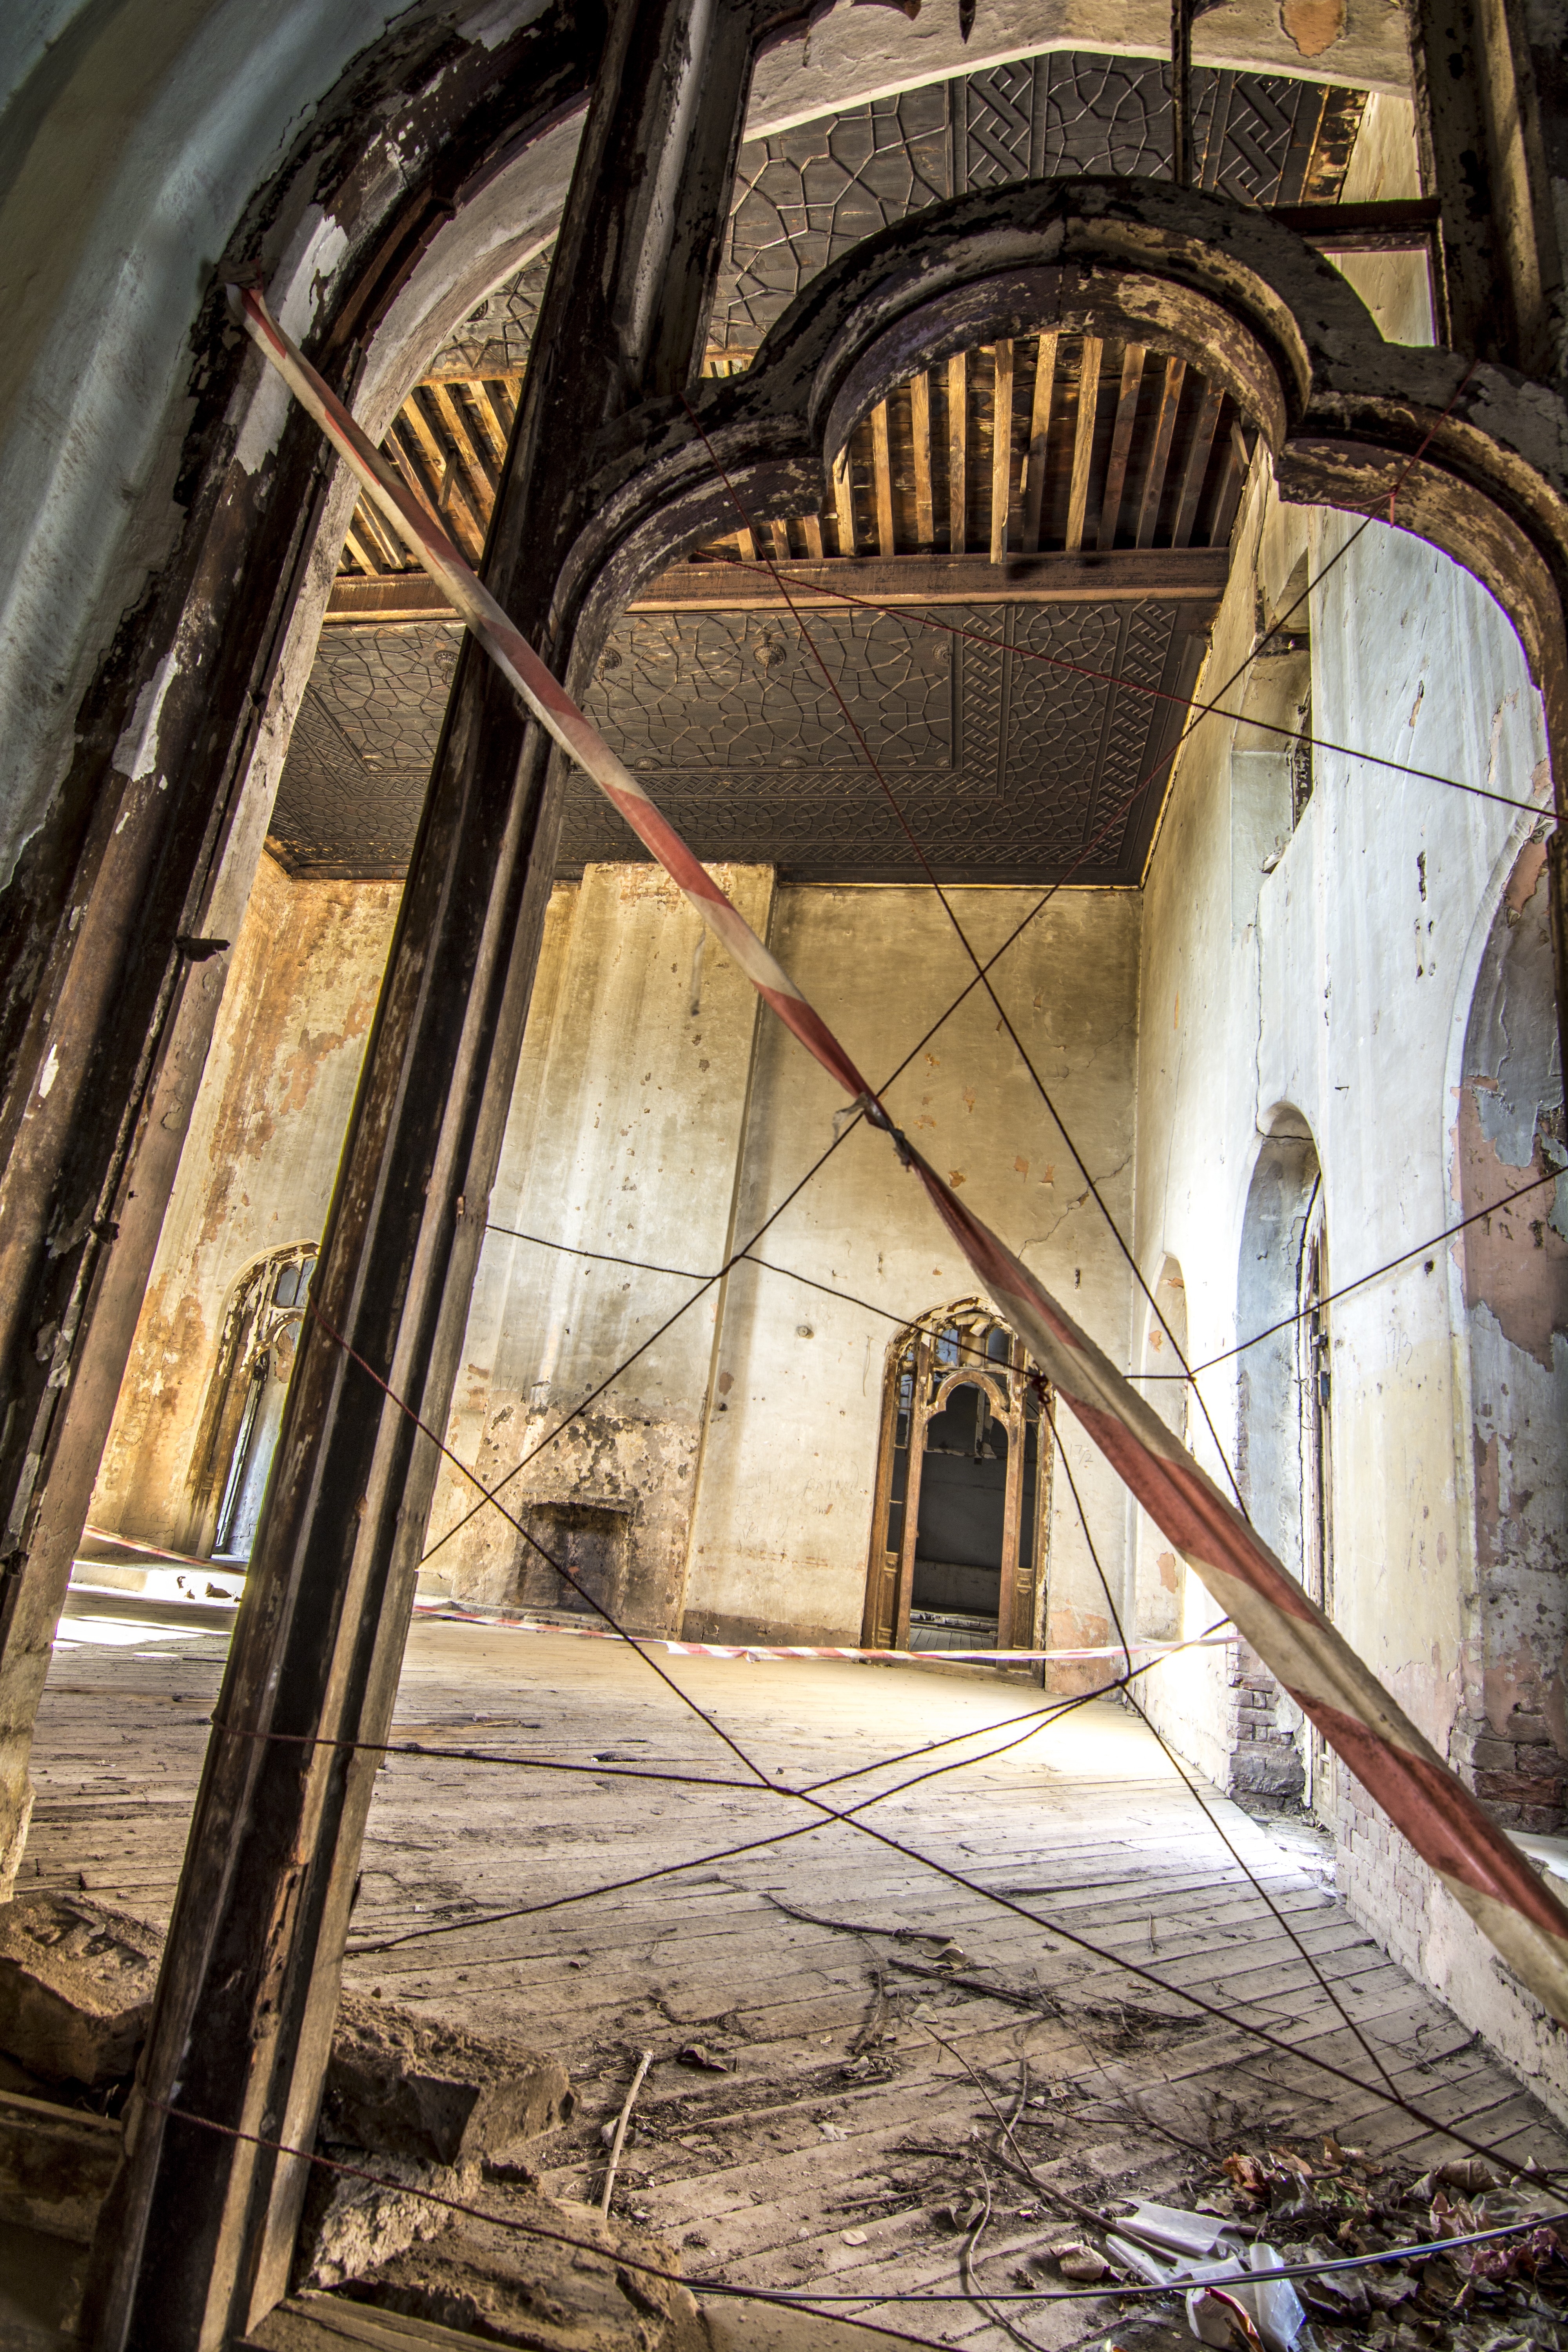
(1513, 1730)
(740, 1452)
(256, 1174)
(783, 1519)
(1324, 997)
(626, 1127)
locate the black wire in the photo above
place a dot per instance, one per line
(1421, 2250)
(1196, 1794)
(981, 972)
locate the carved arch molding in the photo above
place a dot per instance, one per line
(1466, 455)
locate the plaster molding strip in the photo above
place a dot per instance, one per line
(1485, 1874)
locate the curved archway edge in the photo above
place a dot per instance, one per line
(1472, 457)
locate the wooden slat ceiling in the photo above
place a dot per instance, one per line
(1106, 446)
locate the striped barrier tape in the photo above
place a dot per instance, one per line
(449, 1612)
(1397, 1766)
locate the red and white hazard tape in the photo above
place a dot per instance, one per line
(1399, 1767)
(454, 1613)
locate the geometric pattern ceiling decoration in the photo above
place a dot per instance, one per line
(804, 196)
(359, 759)
(1007, 768)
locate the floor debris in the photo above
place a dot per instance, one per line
(76, 1987)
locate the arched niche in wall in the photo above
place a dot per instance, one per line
(1160, 1573)
(1512, 1731)
(1284, 1465)
(244, 1409)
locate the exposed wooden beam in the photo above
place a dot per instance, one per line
(1227, 497)
(1160, 452)
(919, 418)
(882, 474)
(958, 453)
(1406, 224)
(1120, 443)
(447, 493)
(844, 502)
(1000, 450)
(812, 526)
(779, 536)
(401, 445)
(363, 547)
(1197, 465)
(1039, 434)
(494, 431)
(505, 391)
(1192, 574)
(1083, 441)
(476, 462)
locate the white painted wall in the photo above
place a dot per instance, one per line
(1336, 1005)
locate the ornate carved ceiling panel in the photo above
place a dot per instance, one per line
(1016, 749)
(805, 196)
(1011, 768)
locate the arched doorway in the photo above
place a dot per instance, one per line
(963, 1497)
(260, 1338)
(1512, 1729)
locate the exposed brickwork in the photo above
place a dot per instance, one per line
(1518, 1774)
(1380, 1875)
(1265, 1755)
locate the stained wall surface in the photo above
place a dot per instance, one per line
(783, 1514)
(256, 1176)
(1308, 989)
(725, 1477)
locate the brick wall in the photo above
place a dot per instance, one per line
(1381, 1877)
(1518, 1775)
(1266, 1765)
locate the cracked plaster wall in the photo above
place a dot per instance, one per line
(741, 1450)
(256, 1176)
(1331, 1006)
(625, 1126)
(782, 1525)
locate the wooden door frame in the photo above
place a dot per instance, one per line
(889, 1580)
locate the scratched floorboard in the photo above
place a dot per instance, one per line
(817, 2127)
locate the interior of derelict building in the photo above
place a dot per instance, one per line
(1074, 535)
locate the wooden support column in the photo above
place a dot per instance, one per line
(111, 928)
(920, 1414)
(1491, 120)
(199, 2232)
(958, 453)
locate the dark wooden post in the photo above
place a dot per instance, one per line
(199, 2232)
(1491, 118)
(110, 974)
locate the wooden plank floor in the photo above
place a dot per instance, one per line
(862, 2071)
